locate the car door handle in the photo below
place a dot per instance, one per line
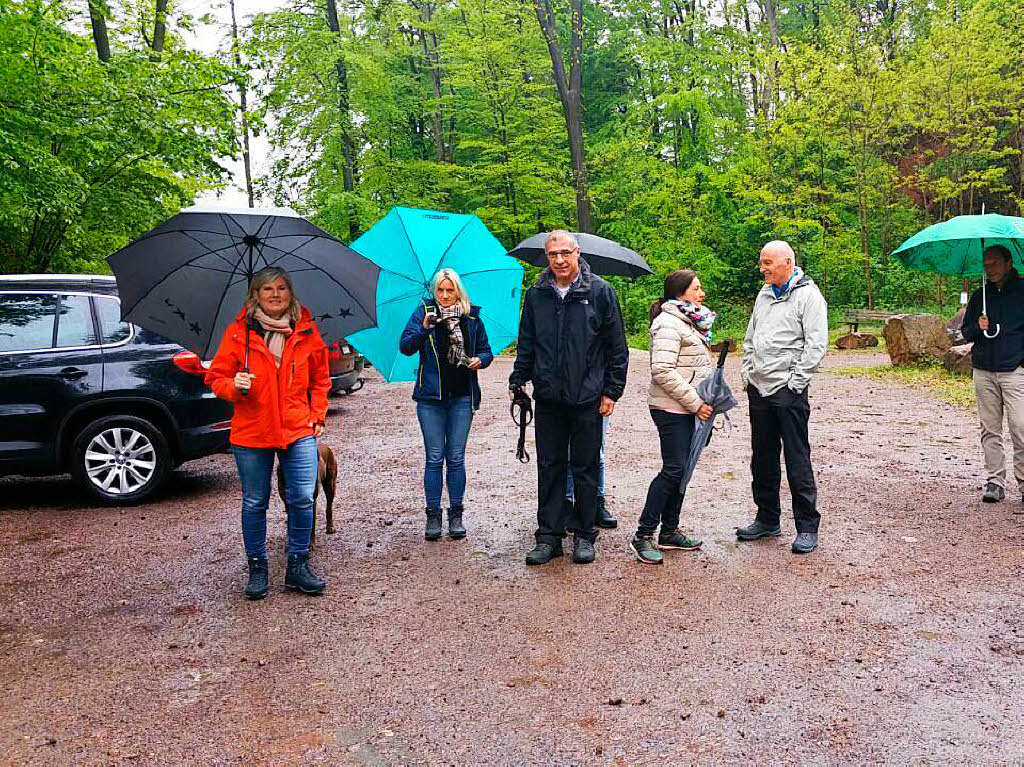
(72, 373)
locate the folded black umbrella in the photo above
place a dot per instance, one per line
(187, 279)
(714, 391)
(605, 257)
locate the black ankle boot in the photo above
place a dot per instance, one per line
(301, 578)
(259, 578)
(455, 527)
(433, 531)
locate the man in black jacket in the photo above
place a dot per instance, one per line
(573, 348)
(998, 360)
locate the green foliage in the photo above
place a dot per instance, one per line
(842, 127)
(92, 154)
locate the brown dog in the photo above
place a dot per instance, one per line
(326, 477)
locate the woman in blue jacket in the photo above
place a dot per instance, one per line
(452, 343)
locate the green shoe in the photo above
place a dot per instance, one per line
(645, 550)
(674, 539)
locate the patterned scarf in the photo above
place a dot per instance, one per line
(449, 317)
(701, 317)
(275, 332)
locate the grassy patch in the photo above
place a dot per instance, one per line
(937, 381)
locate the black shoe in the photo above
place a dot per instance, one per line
(805, 543)
(993, 493)
(583, 551)
(455, 527)
(543, 553)
(433, 531)
(604, 519)
(301, 578)
(259, 578)
(757, 530)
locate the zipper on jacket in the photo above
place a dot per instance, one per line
(437, 360)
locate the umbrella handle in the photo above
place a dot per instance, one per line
(722, 355)
(994, 333)
(245, 363)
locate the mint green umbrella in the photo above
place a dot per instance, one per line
(955, 247)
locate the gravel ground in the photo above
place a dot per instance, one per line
(124, 637)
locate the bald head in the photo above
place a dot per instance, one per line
(776, 263)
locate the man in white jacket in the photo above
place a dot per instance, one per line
(786, 338)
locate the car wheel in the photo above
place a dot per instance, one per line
(120, 459)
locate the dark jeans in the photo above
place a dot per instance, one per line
(779, 422)
(255, 465)
(445, 426)
(664, 496)
(561, 429)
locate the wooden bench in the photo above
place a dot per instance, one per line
(857, 316)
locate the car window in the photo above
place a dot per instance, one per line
(74, 323)
(26, 321)
(111, 326)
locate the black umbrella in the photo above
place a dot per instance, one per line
(604, 256)
(187, 278)
(714, 391)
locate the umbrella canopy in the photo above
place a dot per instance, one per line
(604, 256)
(714, 391)
(187, 279)
(410, 246)
(955, 247)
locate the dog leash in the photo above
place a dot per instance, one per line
(521, 401)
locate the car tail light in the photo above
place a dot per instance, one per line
(190, 362)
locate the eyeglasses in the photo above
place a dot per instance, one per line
(562, 253)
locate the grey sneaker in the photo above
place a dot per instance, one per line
(645, 550)
(805, 543)
(993, 493)
(757, 529)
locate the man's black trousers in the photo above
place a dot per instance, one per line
(564, 430)
(779, 422)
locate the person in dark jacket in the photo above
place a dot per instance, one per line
(451, 341)
(998, 360)
(572, 347)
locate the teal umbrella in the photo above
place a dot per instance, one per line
(955, 247)
(410, 246)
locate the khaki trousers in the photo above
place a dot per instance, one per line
(998, 393)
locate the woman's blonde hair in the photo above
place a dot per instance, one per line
(261, 278)
(460, 292)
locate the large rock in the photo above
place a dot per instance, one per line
(913, 339)
(856, 341)
(957, 359)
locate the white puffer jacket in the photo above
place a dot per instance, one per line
(679, 361)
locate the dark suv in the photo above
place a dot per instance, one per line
(83, 392)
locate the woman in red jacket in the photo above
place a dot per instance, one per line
(280, 408)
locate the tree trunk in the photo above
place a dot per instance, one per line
(569, 93)
(348, 173)
(99, 30)
(770, 15)
(160, 29)
(243, 103)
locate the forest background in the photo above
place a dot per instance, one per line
(690, 130)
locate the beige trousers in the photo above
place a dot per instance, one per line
(998, 393)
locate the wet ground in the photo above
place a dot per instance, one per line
(124, 637)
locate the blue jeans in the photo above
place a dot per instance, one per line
(445, 426)
(570, 491)
(255, 465)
